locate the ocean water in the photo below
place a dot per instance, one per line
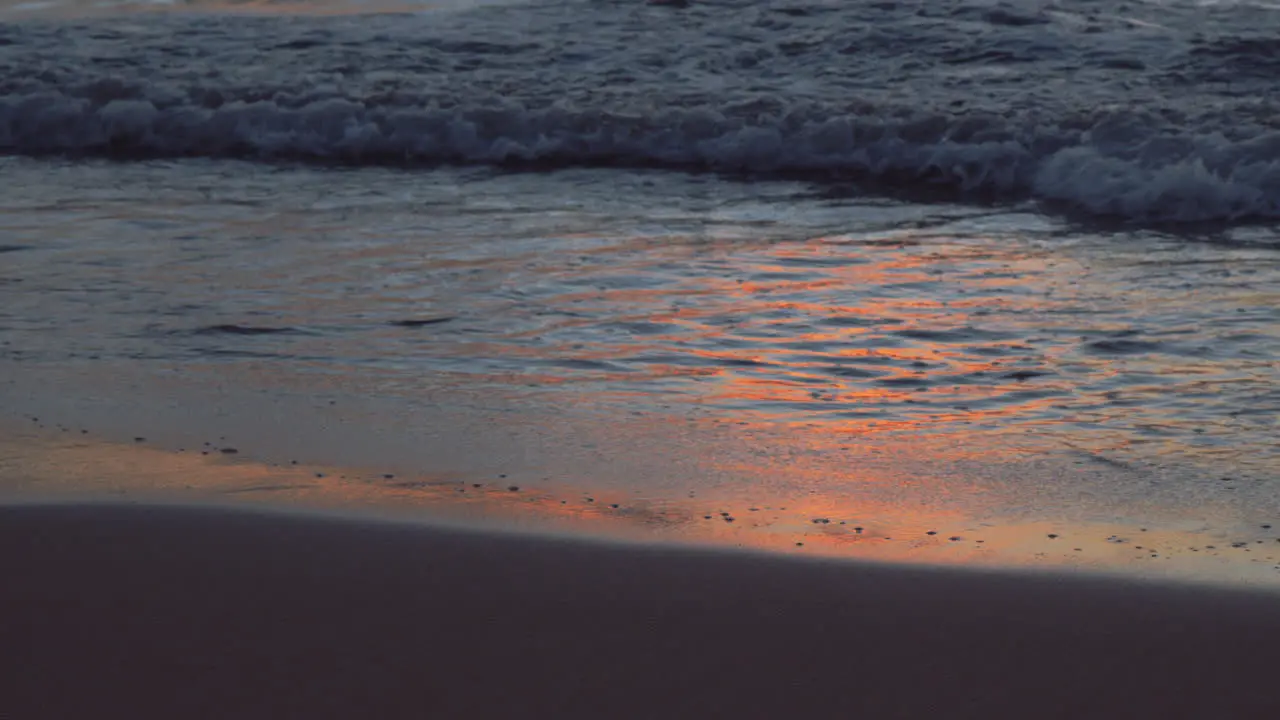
(923, 269)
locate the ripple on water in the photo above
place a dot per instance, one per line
(1138, 348)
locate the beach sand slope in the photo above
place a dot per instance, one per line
(158, 611)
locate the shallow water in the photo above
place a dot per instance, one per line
(766, 302)
(663, 334)
(890, 349)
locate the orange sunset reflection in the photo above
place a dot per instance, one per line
(948, 401)
(832, 525)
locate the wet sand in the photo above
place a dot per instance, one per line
(168, 611)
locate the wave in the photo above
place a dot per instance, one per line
(1144, 113)
(1114, 164)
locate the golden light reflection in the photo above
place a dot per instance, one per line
(792, 387)
(858, 340)
(53, 466)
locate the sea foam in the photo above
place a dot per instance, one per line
(1090, 112)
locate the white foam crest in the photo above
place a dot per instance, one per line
(1102, 169)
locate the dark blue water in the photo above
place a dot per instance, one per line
(1143, 111)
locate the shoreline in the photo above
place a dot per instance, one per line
(49, 462)
(218, 612)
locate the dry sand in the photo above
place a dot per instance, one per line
(181, 612)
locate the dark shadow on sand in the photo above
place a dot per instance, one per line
(154, 612)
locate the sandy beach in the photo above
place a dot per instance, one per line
(172, 611)
(659, 360)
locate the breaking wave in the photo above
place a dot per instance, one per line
(928, 106)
